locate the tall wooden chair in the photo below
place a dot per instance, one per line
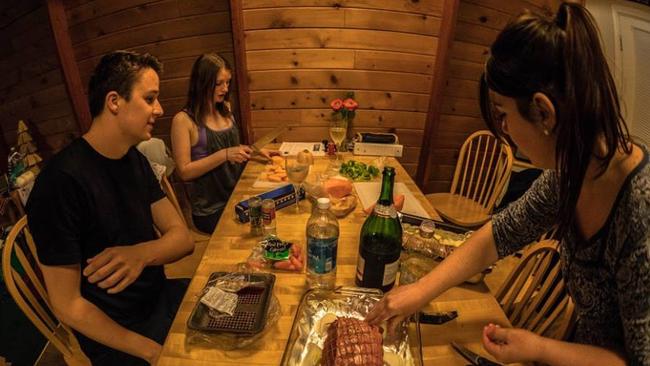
(24, 281)
(167, 187)
(534, 296)
(482, 171)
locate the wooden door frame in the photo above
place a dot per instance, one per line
(439, 83)
(241, 73)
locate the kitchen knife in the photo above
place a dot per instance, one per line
(473, 357)
(266, 139)
(263, 141)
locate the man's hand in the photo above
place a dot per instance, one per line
(115, 268)
(152, 351)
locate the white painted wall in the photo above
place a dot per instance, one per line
(631, 67)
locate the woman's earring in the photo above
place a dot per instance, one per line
(546, 132)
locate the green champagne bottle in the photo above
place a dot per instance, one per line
(380, 240)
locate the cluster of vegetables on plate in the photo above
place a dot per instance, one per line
(358, 171)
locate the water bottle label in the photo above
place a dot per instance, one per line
(390, 273)
(321, 254)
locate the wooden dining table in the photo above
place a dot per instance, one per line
(231, 244)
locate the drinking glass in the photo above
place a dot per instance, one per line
(297, 173)
(337, 130)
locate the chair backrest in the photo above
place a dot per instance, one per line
(24, 281)
(534, 296)
(483, 169)
(171, 195)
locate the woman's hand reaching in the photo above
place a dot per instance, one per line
(238, 154)
(268, 153)
(399, 303)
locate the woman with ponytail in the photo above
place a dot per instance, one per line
(547, 89)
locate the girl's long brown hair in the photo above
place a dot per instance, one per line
(561, 57)
(203, 81)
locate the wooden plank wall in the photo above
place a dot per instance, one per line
(32, 86)
(176, 31)
(479, 22)
(301, 54)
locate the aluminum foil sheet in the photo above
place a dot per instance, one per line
(319, 308)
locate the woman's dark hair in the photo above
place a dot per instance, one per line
(561, 57)
(202, 84)
(117, 71)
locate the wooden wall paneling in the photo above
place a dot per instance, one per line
(447, 30)
(394, 61)
(344, 79)
(59, 24)
(81, 11)
(300, 59)
(122, 19)
(303, 54)
(10, 11)
(475, 33)
(479, 22)
(315, 117)
(339, 38)
(175, 31)
(480, 14)
(33, 87)
(152, 32)
(321, 98)
(419, 6)
(281, 18)
(239, 49)
(189, 47)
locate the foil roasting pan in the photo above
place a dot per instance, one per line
(319, 308)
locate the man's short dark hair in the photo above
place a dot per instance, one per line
(117, 71)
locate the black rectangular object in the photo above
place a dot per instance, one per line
(250, 313)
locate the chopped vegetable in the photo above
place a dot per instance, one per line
(358, 171)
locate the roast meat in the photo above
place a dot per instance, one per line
(352, 342)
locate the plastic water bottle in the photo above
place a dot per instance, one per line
(322, 243)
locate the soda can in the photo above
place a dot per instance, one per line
(268, 216)
(255, 214)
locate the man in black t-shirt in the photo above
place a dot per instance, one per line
(92, 214)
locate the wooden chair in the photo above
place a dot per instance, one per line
(167, 187)
(482, 171)
(534, 296)
(28, 291)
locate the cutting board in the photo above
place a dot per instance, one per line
(368, 193)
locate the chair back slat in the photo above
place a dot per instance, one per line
(499, 166)
(483, 169)
(482, 154)
(35, 280)
(541, 266)
(29, 293)
(474, 160)
(33, 301)
(517, 286)
(489, 172)
(534, 297)
(168, 189)
(464, 166)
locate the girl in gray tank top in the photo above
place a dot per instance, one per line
(215, 162)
